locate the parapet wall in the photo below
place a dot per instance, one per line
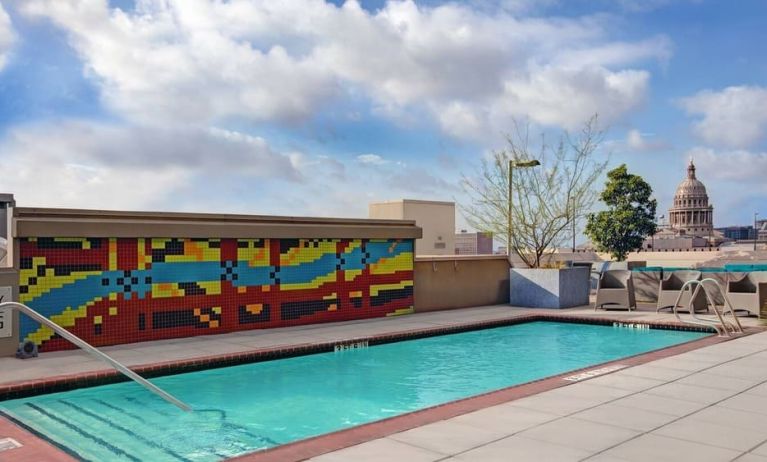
(459, 281)
(119, 277)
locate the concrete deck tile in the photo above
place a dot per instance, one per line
(760, 450)
(751, 458)
(217, 348)
(588, 391)
(605, 458)
(650, 371)
(658, 448)
(742, 349)
(712, 353)
(721, 382)
(559, 405)
(685, 363)
(380, 450)
(449, 437)
(760, 390)
(747, 402)
(516, 448)
(715, 434)
(625, 382)
(733, 418)
(510, 419)
(580, 434)
(660, 404)
(626, 417)
(693, 393)
(748, 371)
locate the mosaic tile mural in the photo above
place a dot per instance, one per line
(110, 290)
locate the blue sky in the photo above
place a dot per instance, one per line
(317, 108)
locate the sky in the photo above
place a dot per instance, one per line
(312, 107)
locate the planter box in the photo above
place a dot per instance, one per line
(549, 288)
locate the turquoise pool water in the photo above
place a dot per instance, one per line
(255, 406)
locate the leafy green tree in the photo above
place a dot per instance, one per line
(629, 218)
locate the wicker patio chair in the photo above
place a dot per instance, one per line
(668, 291)
(615, 289)
(749, 293)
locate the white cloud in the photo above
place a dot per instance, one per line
(80, 164)
(371, 159)
(74, 163)
(567, 96)
(735, 117)
(637, 141)
(737, 165)
(201, 61)
(7, 36)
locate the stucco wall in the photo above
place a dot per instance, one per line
(9, 278)
(436, 219)
(459, 281)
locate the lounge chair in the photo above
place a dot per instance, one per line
(669, 288)
(597, 268)
(749, 293)
(615, 288)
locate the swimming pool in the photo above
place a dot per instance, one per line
(246, 408)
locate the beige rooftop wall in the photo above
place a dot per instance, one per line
(435, 218)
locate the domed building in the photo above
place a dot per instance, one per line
(691, 213)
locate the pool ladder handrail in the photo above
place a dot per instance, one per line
(723, 327)
(88, 348)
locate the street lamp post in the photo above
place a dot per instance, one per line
(517, 164)
(574, 218)
(756, 231)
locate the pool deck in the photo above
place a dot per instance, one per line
(706, 404)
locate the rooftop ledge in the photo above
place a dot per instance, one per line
(53, 222)
(460, 257)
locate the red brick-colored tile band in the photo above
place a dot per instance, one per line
(33, 447)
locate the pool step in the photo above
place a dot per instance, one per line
(110, 436)
(61, 427)
(126, 429)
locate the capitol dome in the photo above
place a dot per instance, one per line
(691, 186)
(691, 212)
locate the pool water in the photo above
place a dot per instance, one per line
(256, 406)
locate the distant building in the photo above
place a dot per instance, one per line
(691, 214)
(737, 233)
(761, 227)
(473, 243)
(690, 218)
(437, 219)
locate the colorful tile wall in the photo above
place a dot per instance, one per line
(112, 290)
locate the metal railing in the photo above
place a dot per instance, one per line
(97, 353)
(723, 327)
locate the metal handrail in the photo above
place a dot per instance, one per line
(723, 327)
(737, 328)
(97, 353)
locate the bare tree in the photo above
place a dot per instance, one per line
(546, 201)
